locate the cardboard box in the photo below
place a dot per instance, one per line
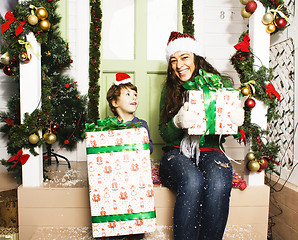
(120, 182)
(225, 102)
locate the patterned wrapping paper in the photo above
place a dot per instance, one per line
(120, 182)
(226, 101)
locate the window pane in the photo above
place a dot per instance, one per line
(162, 19)
(118, 29)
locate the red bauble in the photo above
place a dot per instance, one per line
(251, 6)
(66, 142)
(263, 164)
(250, 103)
(280, 23)
(7, 70)
(55, 127)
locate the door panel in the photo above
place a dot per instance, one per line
(134, 37)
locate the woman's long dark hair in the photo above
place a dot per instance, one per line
(174, 91)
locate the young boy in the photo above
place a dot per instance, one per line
(123, 101)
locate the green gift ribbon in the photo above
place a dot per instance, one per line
(204, 78)
(110, 123)
(118, 148)
(123, 217)
(210, 112)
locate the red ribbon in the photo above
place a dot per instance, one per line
(19, 157)
(243, 46)
(242, 136)
(10, 19)
(270, 89)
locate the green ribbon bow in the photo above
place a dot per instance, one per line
(110, 123)
(212, 81)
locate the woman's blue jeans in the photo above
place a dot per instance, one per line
(203, 193)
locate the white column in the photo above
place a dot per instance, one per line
(260, 44)
(30, 99)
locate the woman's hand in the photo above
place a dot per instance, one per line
(185, 118)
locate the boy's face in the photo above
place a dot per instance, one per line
(127, 102)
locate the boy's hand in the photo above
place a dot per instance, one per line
(185, 118)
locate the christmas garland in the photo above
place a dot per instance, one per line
(94, 60)
(61, 113)
(276, 17)
(256, 84)
(187, 16)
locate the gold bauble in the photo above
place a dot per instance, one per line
(33, 20)
(267, 18)
(45, 25)
(245, 91)
(250, 156)
(23, 56)
(41, 13)
(244, 2)
(51, 138)
(245, 14)
(253, 166)
(33, 138)
(5, 59)
(270, 28)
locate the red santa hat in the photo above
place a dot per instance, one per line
(183, 42)
(122, 78)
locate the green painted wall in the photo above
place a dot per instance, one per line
(62, 11)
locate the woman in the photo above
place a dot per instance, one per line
(203, 187)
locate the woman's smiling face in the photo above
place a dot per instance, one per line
(183, 64)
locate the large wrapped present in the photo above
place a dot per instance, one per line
(120, 180)
(213, 105)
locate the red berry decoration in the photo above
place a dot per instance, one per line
(7, 70)
(250, 103)
(280, 23)
(55, 127)
(66, 85)
(251, 6)
(66, 142)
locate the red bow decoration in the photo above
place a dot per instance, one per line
(270, 89)
(243, 46)
(270, 158)
(10, 19)
(19, 157)
(242, 135)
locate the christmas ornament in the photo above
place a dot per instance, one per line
(280, 23)
(7, 70)
(263, 163)
(46, 135)
(250, 103)
(45, 25)
(245, 91)
(24, 57)
(244, 2)
(245, 14)
(270, 28)
(55, 127)
(251, 6)
(41, 13)
(33, 138)
(253, 166)
(267, 18)
(250, 156)
(20, 157)
(5, 58)
(66, 142)
(50, 138)
(32, 19)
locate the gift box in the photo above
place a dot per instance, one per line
(213, 109)
(120, 182)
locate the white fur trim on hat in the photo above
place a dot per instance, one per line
(184, 44)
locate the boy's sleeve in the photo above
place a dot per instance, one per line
(145, 125)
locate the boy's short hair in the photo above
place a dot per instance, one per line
(114, 93)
